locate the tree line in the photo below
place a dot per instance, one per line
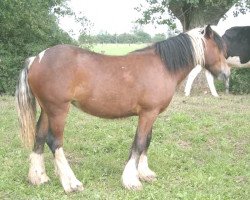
(124, 38)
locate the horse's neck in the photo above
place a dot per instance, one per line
(182, 74)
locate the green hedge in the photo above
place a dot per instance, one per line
(239, 81)
(12, 62)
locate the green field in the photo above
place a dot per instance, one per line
(116, 49)
(200, 150)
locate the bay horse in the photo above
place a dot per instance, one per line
(140, 83)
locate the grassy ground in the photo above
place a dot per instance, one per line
(200, 150)
(116, 49)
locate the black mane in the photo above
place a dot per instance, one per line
(220, 42)
(176, 52)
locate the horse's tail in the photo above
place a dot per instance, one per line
(26, 106)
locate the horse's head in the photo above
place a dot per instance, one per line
(215, 52)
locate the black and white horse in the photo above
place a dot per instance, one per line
(237, 40)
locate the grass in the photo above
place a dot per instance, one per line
(116, 49)
(200, 150)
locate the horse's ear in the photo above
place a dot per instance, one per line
(208, 32)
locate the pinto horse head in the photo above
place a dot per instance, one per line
(215, 54)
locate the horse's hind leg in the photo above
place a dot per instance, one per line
(55, 142)
(37, 174)
(131, 175)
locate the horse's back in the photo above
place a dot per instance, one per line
(54, 71)
(106, 86)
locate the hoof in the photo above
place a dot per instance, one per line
(36, 179)
(149, 176)
(132, 184)
(37, 174)
(73, 186)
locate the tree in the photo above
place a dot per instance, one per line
(126, 38)
(159, 37)
(27, 28)
(142, 37)
(191, 13)
(105, 37)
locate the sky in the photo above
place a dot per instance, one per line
(117, 16)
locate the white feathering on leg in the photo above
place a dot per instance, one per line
(145, 173)
(130, 179)
(66, 175)
(37, 174)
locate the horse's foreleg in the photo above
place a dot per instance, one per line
(37, 174)
(210, 81)
(191, 76)
(130, 176)
(227, 82)
(55, 142)
(145, 173)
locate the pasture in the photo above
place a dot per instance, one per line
(116, 49)
(200, 150)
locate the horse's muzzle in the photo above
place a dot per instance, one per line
(223, 76)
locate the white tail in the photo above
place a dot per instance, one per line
(26, 106)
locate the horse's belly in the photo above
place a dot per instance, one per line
(108, 109)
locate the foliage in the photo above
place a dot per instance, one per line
(138, 36)
(27, 28)
(142, 37)
(240, 81)
(191, 13)
(105, 38)
(86, 41)
(159, 37)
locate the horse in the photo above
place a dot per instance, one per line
(237, 41)
(141, 83)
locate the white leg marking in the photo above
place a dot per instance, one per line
(130, 179)
(37, 174)
(41, 55)
(227, 84)
(191, 76)
(210, 81)
(66, 175)
(145, 173)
